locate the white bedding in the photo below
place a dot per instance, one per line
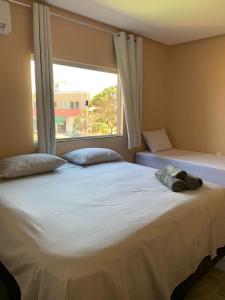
(109, 231)
(194, 157)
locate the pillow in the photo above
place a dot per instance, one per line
(30, 164)
(89, 156)
(157, 140)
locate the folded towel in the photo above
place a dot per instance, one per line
(192, 182)
(175, 172)
(174, 184)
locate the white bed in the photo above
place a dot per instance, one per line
(109, 231)
(210, 167)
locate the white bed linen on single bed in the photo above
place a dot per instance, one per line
(194, 157)
(105, 232)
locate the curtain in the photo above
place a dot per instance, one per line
(44, 78)
(129, 61)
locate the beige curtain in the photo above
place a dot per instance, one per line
(44, 78)
(129, 61)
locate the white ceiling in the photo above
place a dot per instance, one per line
(167, 21)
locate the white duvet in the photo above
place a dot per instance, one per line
(103, 232)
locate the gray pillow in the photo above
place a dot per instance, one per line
(89, 156)
(30, 164)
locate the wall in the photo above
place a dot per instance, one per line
(196, 109)
(76, 43)
(155, 85)
(15, 87)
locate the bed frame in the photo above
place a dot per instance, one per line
(178, 294)
(10, 283)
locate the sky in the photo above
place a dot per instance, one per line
(73, 79)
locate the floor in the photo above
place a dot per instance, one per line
(211, 286)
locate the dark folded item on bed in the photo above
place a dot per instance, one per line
(191, 182)
(174, 184)
(175, 172)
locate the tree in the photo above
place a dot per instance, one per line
(100, 117)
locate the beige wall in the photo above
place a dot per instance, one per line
(75, 43)
(196, 108)
(155, 84)
(15, 87)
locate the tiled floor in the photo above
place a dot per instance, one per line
(210, 287)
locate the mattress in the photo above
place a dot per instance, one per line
(108, 231)
(210, 167)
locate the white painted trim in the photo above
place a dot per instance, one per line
(84, 65)
(89, 138)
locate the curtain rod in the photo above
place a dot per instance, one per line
(68, 19)
(82, 23)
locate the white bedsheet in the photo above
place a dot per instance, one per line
(103, 232)
(194, 157)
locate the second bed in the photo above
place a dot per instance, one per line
(210, 167)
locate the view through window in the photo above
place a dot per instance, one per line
(86, 102)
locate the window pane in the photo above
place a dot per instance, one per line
(86, 102)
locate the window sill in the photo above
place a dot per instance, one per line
(89, 138)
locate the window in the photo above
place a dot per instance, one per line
(75, 105)
(87, 101)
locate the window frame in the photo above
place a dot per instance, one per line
(119, 99)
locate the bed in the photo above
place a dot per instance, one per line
(210, 167)
(107, 231)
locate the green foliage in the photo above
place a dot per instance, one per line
(100, 117)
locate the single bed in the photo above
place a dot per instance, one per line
(107, 231)
(210, 167)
